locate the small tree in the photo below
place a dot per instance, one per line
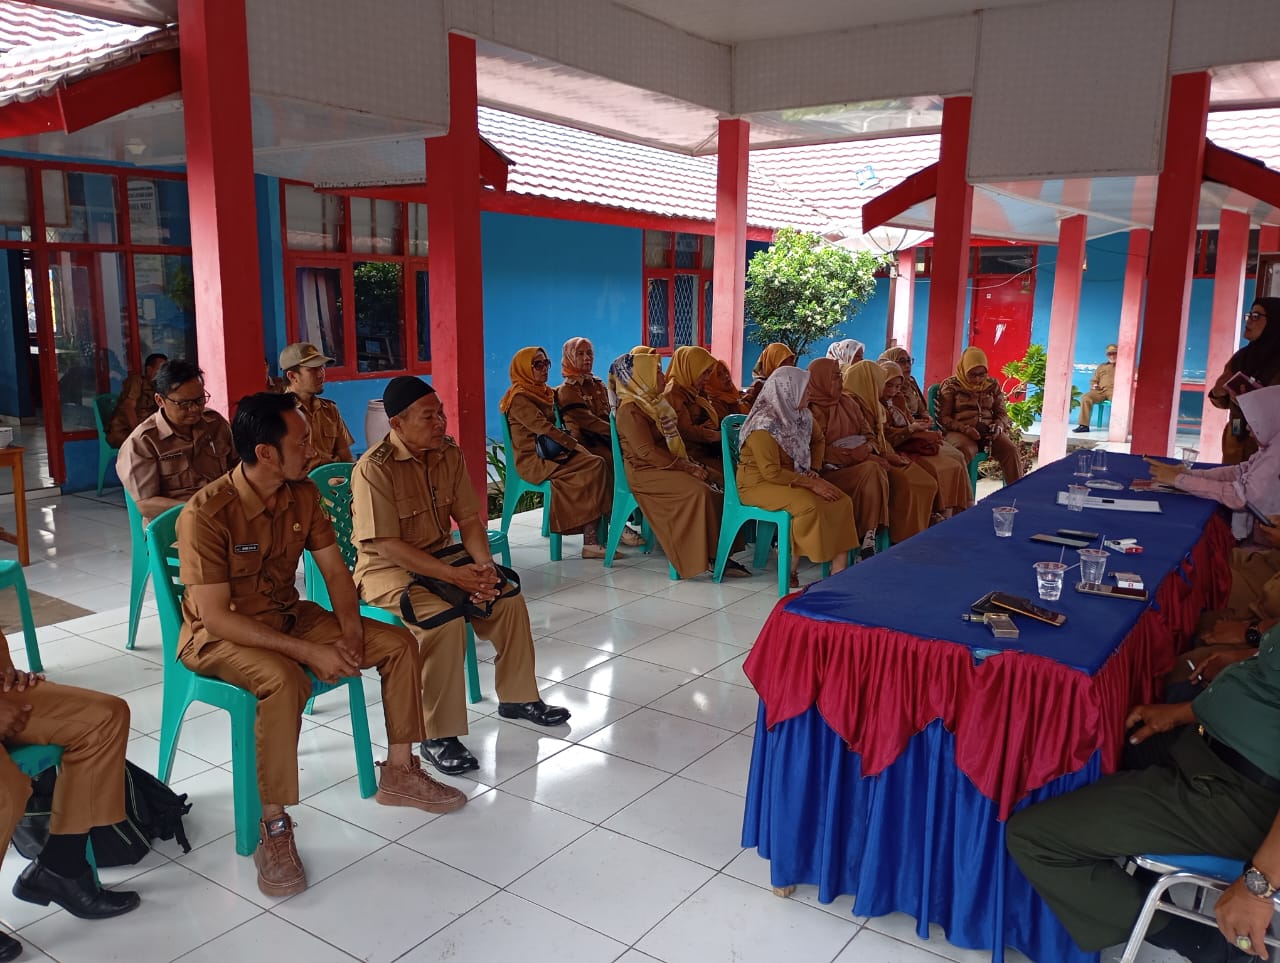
(801, 289)
(1030, 373)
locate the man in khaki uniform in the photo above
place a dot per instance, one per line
(137, 401)
(181, 448)
(239, 542)
(406, 492)
(93, 729)
(303, 368)
(1100, 388)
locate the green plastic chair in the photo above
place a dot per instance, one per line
(334, 482)
(103, 406)
(736, 514)
(140, 571)
(624, 504)
(32, 761)
(1102, 407)
(976, 460)
(514, 487)
(11, 574)
(183, 687)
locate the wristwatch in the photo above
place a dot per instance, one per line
(1251, 635)
(1256, 882)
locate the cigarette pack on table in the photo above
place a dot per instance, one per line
(1129, 580)
(1127, 546)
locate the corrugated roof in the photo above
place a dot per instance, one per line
(23, 24)
(1255, 133)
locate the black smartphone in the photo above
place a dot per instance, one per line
(1112, 591)
(1074, 533)
(1021, 606)
(1060, 540)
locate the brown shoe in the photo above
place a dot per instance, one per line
(597, 551)
(631, 538)
(410, 786)
(280, 871)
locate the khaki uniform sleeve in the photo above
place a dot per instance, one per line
(817, 446)
(685, 409)
(226, 443)
(636, 438)
(204, 547)
(320, 533)
(767, 457)
(465, 503)
(342, 450)
(138, 468)
(374, 513)
(947, 409)
(579, 417)
(527, 413)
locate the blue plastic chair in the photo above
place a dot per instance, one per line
(32, 761)
(1206, 873)
(334, 482)
(514, 487)
(140, 571)
(736, 514)
(103, 407)
(183, 687)
(11, 574)
(977, 459)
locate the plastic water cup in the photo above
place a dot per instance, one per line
(1100, 460)
(1003, 519)
(1084, 464)
(1189, 456)
(1093, 564)
(1049, 576)
(1076, 494)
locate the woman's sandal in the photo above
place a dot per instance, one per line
(734, 569)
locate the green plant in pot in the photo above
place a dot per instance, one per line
(1027, 376)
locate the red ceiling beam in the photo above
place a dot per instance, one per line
(916, 189)
(1241, 173)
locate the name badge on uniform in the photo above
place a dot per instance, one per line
(245, 549)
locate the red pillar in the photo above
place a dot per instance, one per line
(953, 211)
(1067, 278)
(727, 318)
(1164, 328)
(1224, 325)
(453, 241)
(902, 289)
(1135, 279)
(221, 198)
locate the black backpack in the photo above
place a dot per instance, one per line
(151, 811)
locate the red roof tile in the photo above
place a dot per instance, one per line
(23, 24)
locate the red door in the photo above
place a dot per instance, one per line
(1001, 320)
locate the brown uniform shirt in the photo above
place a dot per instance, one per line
(143, 395)
(1104, 377)
(584, 409)
(156, 460)
(226, 534)
(395, 495)
(329, 435)
(959, 408)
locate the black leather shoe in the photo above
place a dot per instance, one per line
(449, 755)
(10, 949)
(1080, 429)
(538, 712)
(81, 897)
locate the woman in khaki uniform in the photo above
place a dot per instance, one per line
(583, 401)
(775, 472)
(696, 418)
(971, 410)
(924, 446)
(841, 453)
(724, 395)
(670, 488)
(912, 490)
(773, 357)
(578, 492)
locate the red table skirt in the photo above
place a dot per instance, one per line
(1020, 721)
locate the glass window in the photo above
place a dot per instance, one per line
(418, 230)
(422, 293)
(1251, 258)
(319, 309)
(707, 287)
(79, 208)
(1005, 260)
(313, 221)
(657, 249)
(686, 309)
(376, 226)
(656, 300)
(90, 331)
(15, 205)
(158, 211)
(708, 253)
(379, 296)
(687, 250)
(166, 292)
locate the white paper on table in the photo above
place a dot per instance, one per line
(1117, 504)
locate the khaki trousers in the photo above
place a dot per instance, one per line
(93, 730)
(1003, 451)
(283, 687)
(442, 650)
(1087, 401)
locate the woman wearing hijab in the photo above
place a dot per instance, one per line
(578, 492)
(1255, 482)
(583, 402)
(842, 453)
(670, 487)
(773, 357)
(912, 490)
(724, 395)
(1258, 361)
(924, 446)
(846, 352)
(971, 410)
(911, 401)
(775, 471)
(696, 418)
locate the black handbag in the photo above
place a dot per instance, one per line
(459, 599)
(548, 449)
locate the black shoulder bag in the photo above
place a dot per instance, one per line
(459, 599)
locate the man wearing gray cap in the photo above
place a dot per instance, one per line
(406, 494)
(303, 367)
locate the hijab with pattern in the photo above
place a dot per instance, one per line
(634, 377)
(522, 382)
(847, 352)
(972, 357)
(573, 365)
(773, 357)
(778, 411)
(1259, 481)
(688, 364)
(865, 381)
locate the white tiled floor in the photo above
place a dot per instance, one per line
(613, 838)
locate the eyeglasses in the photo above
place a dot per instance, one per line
(1111, 354)
(541, 365)
(189, 404)
(1255, 316)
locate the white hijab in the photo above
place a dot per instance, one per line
(1259, 481)
(777, 410)
(847, 352)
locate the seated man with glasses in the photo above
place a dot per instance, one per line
(174, 453)
(1101, 388)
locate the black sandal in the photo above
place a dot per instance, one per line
(736, 569)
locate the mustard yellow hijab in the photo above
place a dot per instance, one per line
(522, 382)
(971, 358)
(865, 381)
(634, 378)
(772, 358)
(688, 364)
